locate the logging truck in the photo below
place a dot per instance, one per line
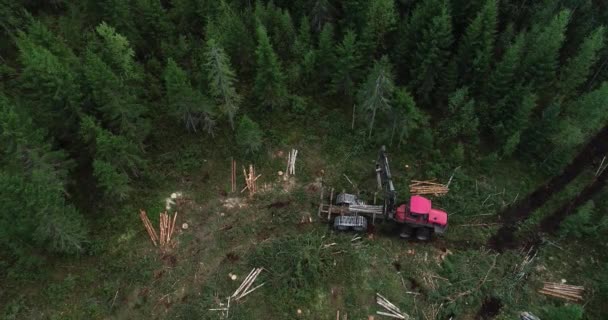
(415, 219)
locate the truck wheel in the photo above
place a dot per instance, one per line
(423, 234)
(406, 232)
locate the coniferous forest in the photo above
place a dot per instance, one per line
(109, 107)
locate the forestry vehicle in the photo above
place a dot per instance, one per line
(416, 218)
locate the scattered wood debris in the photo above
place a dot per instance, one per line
(390, 309)
(563, 291)
(428, 187)
(233, 176)
(250, 180)
(243, 289)
(527, 316)
(291, 164)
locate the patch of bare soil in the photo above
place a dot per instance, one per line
(489, 309)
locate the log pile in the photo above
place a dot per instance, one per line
(390, 310)
(166, 228)
(291, 163)
(428, 187)
(250, 180)
(151, 232)
(563, 291)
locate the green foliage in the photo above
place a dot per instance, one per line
(477, 47)
(326, 55)
(566, 312)
(460, 123)
(186, 104)
(375, 94)
(32, 185)
(585, 223)
(543, 45)
(381, 20)
(249, 135)
(346, 74)
(504, 77)
(269, 80)
(116, 158)
(409, 121)
(431, 49)
(577, 69)
(222, 80)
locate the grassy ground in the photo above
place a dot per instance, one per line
(308, 267)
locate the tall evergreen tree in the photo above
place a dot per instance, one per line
(375, 94)
(477, 46)
(326, 56)
(431, 54)
(460, 123)
(222, 80)
(269, 80)
(381, 20)
(186, 104)
(348, 63)
(33, 180)
(541, 57)
(407, 119)
(505, 74)
(578, 68)
(322, 12)
(54, 94)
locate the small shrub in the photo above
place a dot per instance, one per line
(249, 135)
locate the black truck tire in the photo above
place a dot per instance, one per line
(423, 234)
(406, 232)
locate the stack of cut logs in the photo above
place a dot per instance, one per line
(391, 310)
(563, 291)
(428, 187)
(167, 226)
(291, 163)
(250, 179)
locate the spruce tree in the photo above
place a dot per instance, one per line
(380, 21)
(541, 57)
(54, 93)
(407, 118)
(322, 13)
(326, 56)
(116, 159)
(375, 94)
(477, 46)
(186, 104)
(505, 74)
(460, 122)
(222, 80)
(348, 63)
(578, 68)
(269, 80)
(431, 54)
(33, 180)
